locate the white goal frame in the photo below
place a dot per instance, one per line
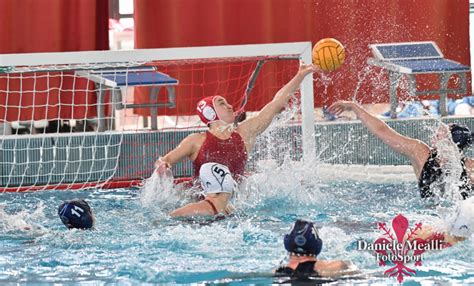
(302, 49)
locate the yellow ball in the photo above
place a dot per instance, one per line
(328, 54)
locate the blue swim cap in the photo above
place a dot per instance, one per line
(76, 214)
(303, 239)
(461, 135)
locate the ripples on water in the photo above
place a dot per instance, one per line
(136, 241)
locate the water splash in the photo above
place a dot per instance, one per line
(24, 220)
(266, 187)
(458, 220)
(362, 75)
(159, 191)
(447, 188)
(272, 144)
(322, 80)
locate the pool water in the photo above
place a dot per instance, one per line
(136, 242)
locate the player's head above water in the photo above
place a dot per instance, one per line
(461, 135)
(76, 214)
(215, 108)
(303, 239)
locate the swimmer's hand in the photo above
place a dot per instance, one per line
(229, 209)
(306, 69)
(163, 168)
(340, 106)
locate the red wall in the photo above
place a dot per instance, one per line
(31, 26)
(182, 23)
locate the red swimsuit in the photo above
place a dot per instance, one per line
(229, 152)
(438, 236)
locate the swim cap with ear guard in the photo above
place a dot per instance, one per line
(76, 214)
(461, 135)
(216, 178)
(206, 110)
(303, 239)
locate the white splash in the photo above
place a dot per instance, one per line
(293, 180)
(24, 220)
(450, 161)
(460, 221)
(158, 190)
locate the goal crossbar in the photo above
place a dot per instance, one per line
(62, 78)
(139, 55)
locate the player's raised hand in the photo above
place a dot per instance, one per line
(307, 69)
(340, 106)
(163, 168)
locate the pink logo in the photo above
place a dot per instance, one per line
(399, 255)
(400, 246)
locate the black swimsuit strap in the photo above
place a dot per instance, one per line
(284, 270)
(433, 156)
(430, 173)
(304, 269)
(466, 186)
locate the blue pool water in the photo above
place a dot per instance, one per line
(137, 242)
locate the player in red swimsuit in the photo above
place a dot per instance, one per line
(226, 145)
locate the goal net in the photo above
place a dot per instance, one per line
(83, 119)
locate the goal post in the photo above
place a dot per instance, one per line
(79, 119)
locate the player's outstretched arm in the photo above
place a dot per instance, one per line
(183, 150)
(262, 120)
(414, 149)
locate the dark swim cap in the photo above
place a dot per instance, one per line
(461, 135)
(303, 239)
(76, 214)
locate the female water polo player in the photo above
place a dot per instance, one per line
(76, 214)
(429, 164)
(304, 245)
(225, 145)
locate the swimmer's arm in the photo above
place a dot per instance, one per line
(407, 146)
(427, 231)
(257, 124)
(451, 239)
(423, 233)
(183, 150)
(333, 268)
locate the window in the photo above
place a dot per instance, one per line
(121, 25)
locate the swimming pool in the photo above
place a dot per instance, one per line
(136, 242)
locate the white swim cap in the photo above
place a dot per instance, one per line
(216, 178)
(461, 223)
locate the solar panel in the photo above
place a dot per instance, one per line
(140, 79)
(406, 51)
(433, 66)
(132, 77)
(122, 70)
(414, 58)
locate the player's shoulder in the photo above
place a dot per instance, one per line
(196, 137)
(246, 125)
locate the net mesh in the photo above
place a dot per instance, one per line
(81, 125)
